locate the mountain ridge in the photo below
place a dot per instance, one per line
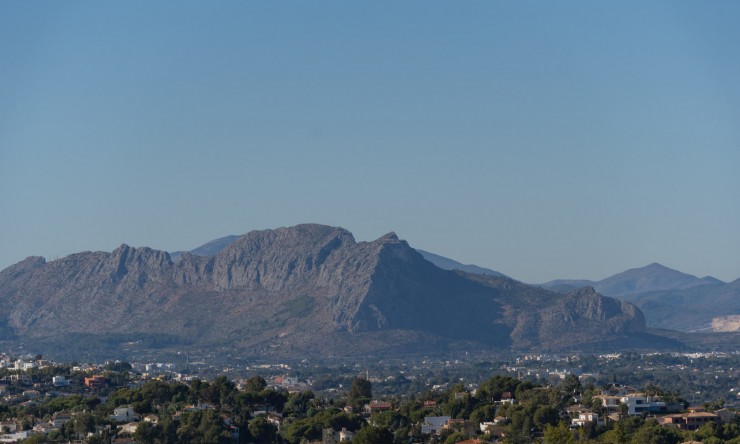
(669, 298)
(451, 264)
(214, 246)
(651, 277)
(296, 289)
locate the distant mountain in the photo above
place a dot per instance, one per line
(691, 309)
(567, 285)
(449, 264)
(653, 277)
(211, 248)
(304, 290)
(669, 298)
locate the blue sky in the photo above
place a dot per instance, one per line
(544, 140)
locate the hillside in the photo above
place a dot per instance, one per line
(290, 291)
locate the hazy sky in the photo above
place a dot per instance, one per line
(541, 139)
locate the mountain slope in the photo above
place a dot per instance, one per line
(449, 264)
(291, 291)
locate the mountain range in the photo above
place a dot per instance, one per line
(303, 290)
(653, 277)
(669, 298)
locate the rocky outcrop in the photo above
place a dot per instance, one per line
(541, 318)
(726, 323)
(298, 287)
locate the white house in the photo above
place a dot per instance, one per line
(124, 414)
(586, 417)
(58, 420)
(129, 427)
(14, 437)
(8, 426)
(636, 403)
(59, 381)
(345, 435)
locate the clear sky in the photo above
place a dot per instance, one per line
(541, 139)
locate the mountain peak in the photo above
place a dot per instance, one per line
(121, 248)
(651, 277)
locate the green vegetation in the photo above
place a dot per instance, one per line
(217, 411)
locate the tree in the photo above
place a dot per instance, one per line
(456, 437)
(545, 415)
(146, 433)
(571, 384)
(623, 410)
(118, 367)
(223, 390)
(298, 403)
(492, 389)
(255, 384)
(361, 392)
(483, 413)
(372, 435)
(715, 405)
(652, 433)
(83, 423)
(202, 427)
(35, 439)
(559, 434)
(300, 430)
(261, 430)
(167, 431)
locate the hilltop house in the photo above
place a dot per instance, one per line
(637, 404)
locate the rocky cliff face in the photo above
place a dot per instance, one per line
(296, 288)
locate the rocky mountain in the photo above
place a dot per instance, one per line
(308, 289)
(215, 246)
(669, 298)
(449, 264)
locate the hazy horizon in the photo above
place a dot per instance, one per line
(544, 141)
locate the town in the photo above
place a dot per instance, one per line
(615, 398)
